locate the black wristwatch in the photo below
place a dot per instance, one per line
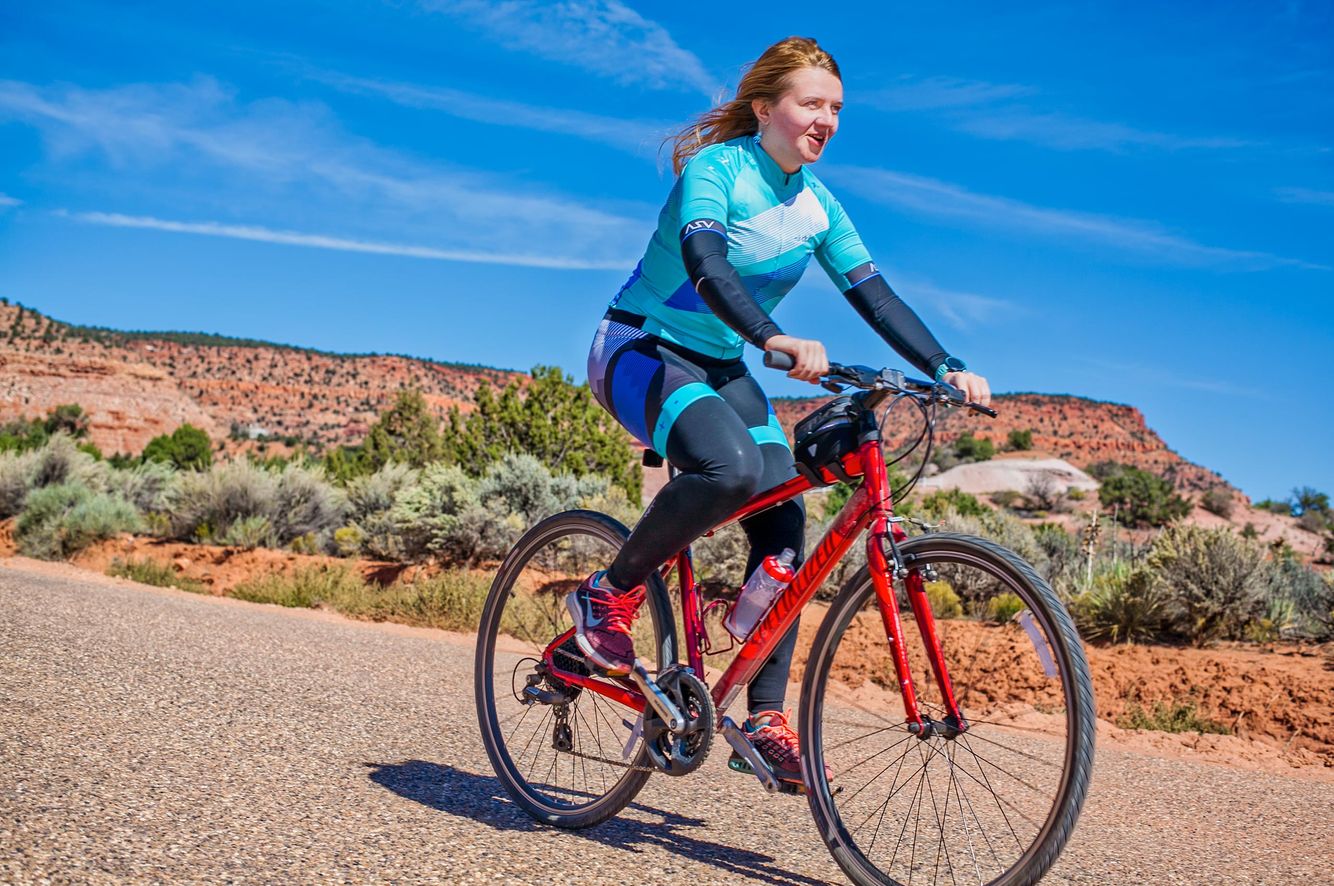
(951, 364)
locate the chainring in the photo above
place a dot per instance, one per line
(680, 753)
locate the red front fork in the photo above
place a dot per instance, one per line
(881, 534)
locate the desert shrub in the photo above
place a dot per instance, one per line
(944, 501)
(151, 572)
(1141, 498)
(521, 485)
(451, 601)
(1213, 580)
(1217, 501)
(406, 432)
(1306, 499)
(60, 461)
(944, 602)
(60, 520)
(1006, 498)
(720, 560)
(305, 503)
(1074, 493)
(17, 471)
(1042, 491)
(1124, 605)
(443, 515)
(1020, 441)
(305, 588)
(1274, 507)
(205, 504)
(1313, 521)
(371, 497)
(255, 531)
(1310, 594)
(148, 486)
(1004, 607)
(1061, 561)
(1180, 716)
(597, 493)
(970, 448)
(187, 448)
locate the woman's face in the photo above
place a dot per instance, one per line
(795, 129)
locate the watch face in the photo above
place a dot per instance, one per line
(954, 364)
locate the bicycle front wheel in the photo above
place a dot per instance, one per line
(567, 756)
(994, 804)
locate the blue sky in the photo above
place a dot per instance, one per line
(1131, 202)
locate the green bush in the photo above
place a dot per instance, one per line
(407, 432)
(1179, 716)
(970, 448)
(1020, 441)
(187, 448)
(206, 503)
(1310, 595)
(944, 602)
(944, 501)
(306, 504)
(1141, 498)
(443, 515)
(1217, 501)
(150, 572)
(1124, 605)
(1006, 498)
(1214, 581)
(1274, 507)
(18, 471)
(1004, 607)
(148, 486)
(254, 531)
(61, 520)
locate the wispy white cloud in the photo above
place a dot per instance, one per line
(321, 241)
(989, 110)
(292, 165)
(936, 93)
(1306, 195)
(937, 199)
(7, 201)
(1074, 133)
(1170, 376)
(605, 37)
(635, 136)
(962, 310)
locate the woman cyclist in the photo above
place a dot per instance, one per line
(738, 229)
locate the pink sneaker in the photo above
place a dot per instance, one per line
(602, 619)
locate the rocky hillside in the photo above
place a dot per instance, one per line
(136, 385)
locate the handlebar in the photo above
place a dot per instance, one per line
(891, 381)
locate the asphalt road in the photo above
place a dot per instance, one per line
(151, 735)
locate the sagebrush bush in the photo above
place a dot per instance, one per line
(1310, 594)
(148, 486)
(61, 461)
(1213, 580)
(944, 602)
(1217, 501)
(1125, 605)
(249, 532)
(306, 504)
(371, 528)
(443, 515)
(60, 520)
(17, 470)
(205, 504)
(1004, 607)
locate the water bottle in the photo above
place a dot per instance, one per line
(765, 583)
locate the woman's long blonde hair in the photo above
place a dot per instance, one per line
(765, 79)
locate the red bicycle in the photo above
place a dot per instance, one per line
(975, 771)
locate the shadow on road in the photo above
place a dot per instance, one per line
(481, 798)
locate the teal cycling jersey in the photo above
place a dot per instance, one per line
(774, 222)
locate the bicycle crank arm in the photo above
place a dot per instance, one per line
(737, 739)
(657, 698)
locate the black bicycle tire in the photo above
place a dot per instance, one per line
(1068, 652)
(658, 604)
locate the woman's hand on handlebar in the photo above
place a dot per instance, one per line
(975, 388)
(809, 354)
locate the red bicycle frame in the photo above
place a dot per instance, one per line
(870, 507)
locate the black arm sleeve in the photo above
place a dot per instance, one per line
(704, 248)
(896, 323)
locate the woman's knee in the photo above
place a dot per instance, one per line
(738, 477)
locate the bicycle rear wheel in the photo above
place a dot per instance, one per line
(563, 761)
(994, 804)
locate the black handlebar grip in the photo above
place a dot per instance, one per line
(779, 360)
